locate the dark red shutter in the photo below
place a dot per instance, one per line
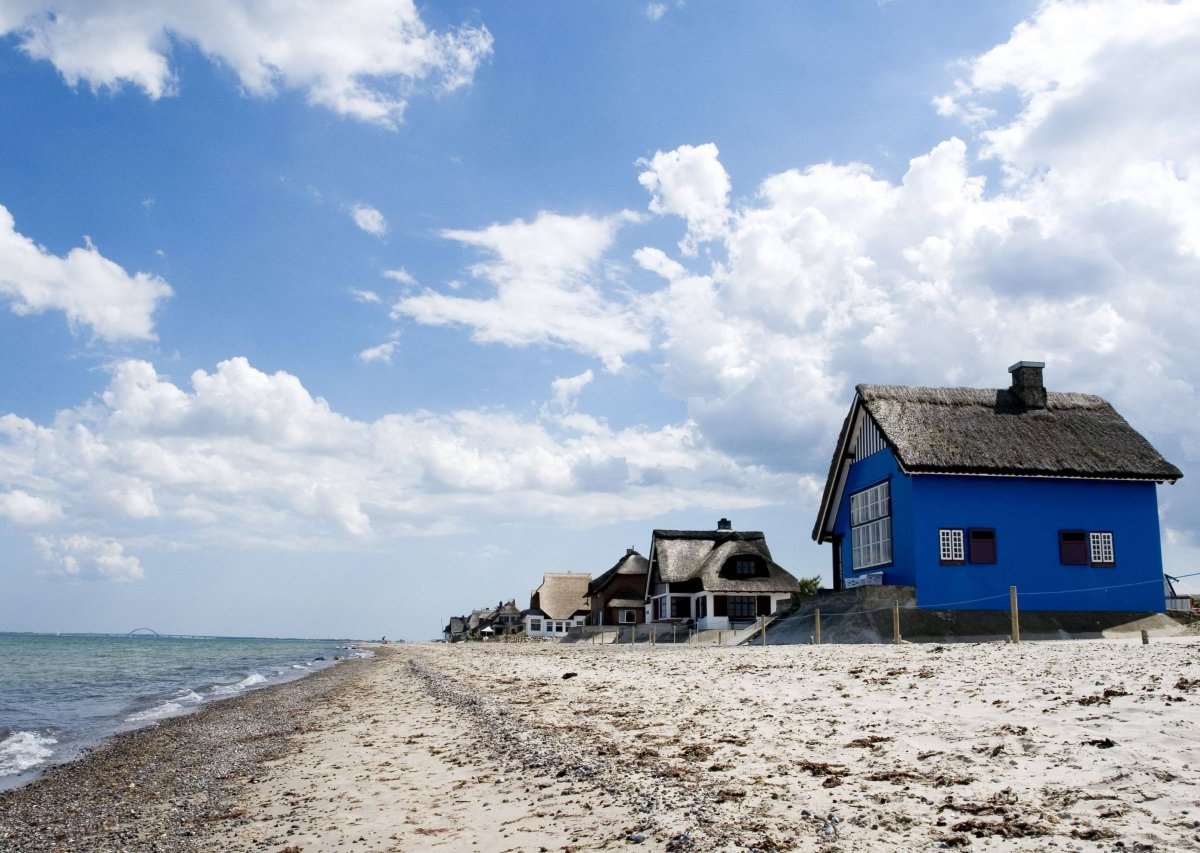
(1072, 547)
(982, 546)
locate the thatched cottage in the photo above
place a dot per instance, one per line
(617, 597)
(558, 605)
(714, 579)
(964, 492)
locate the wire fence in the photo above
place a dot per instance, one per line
(999, 596)
(759, 632)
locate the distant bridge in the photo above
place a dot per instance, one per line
(143, 632)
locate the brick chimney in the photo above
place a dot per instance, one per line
(724, 524)
(1027, 385)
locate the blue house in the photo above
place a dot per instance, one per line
(964, 492)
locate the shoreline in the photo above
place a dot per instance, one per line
(1078, 745)
(67, 694)
(162, 785)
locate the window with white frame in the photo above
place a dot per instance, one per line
(950, 547)
(535, 624)
(1101, 547)
(871, 527)
(627, 617)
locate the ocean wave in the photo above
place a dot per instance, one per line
(21, 751)
(229, 689)
(168, 708)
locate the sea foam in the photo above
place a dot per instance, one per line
(229, 689)
(22, 750)
(169, 708)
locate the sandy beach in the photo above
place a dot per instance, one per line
(1084, 745)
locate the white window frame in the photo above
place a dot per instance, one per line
(627, 616)
(871, 527)
(950, 546)
(1100, 548)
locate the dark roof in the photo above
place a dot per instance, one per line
(632, 563)
(682, 555)
(977, 431)
(988, 431)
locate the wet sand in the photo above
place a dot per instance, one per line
(1087, 745)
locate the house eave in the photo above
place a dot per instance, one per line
(1037, 475)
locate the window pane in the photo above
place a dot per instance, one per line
(742, 606)
(1102, 549)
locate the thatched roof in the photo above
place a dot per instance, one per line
(562, 594)
(990, 432)
(632, 563)
(682, 555)
(977, 431)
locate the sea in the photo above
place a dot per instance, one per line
(60, 693)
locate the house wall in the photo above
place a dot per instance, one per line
(717, 620)
(867, 472)
(623, 586)
(551, 627)
(1027, 514)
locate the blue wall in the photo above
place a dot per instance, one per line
(1026, 514)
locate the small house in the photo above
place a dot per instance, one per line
(509, 619)
(558, 605)
(714, 579)
(456, 629)
(479, 623)
(965, 492)
(617, 597)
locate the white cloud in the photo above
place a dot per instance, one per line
(88, 558)
(367, 296)
(369, 219)
(27, 510)
(689, 182)
(568, 388)
(401, 276)
(248, 459)
(90, 289)
(549, 289)
(383, 352)
(359, 58)
(656, 11)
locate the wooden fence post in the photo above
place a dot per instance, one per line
(1015, 616)
(817, 627)
(763, 622)
(896, 622)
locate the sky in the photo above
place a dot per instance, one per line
(339, 319)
